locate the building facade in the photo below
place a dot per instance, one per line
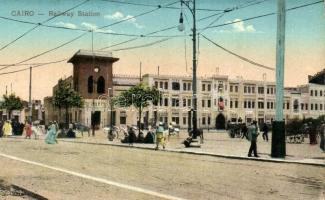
(220, 99)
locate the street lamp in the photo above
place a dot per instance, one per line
(181, 28)
(96, 70)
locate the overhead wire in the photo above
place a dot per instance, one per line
(37, 25)
(264, 15)
(239, 56)
(152, 5)
(76, 38)
(35, 66)
(87, 30)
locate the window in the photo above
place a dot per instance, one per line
(175, 119)
(320, 106)
(166, 102)
(189, 86)
(230, 104)
(175, 86)
(231, 88)
(209, 120)
(236, 104)
(311, 106)
(175, 102)
(253, 104)
(189, 102)
(184, 120)
(311, 92)
(253, 90)
(306, 106)
(209, 103)
(90, 84)
(295, 105)
(156, 84)
(249, 104)
(245, 104)
(315, 93)
(166, 86)
(288, 105)
(268, 105)
(245, 89)
(184, 102)
(209, 87)
(316, 106)
(236, 88)
(101, 85)
(184, 86)
(249, 90)
(203, 105)
(260, 90)
(161, 85)
(321, 93)
(203, 87)
(261, 105)
(302, 106)
(203, 120)
(268, 91)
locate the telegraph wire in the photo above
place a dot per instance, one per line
(142, 46)
(175, 26)
(76, 38)
(36, 66)
(264, 15)
(159, 6)
(39, 24)
(87, 30)
(238, 56)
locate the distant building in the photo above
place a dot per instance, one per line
(219, 99)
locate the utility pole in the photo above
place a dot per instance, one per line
(278, 149)
(30, 95)
(194, 81)
(194, 73)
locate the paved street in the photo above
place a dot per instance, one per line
(85, 171)
(221, 144)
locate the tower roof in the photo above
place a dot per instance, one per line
(97, 55)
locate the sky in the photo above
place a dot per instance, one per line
(254, 39)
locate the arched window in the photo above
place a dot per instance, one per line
(90, 84)
(101, 85)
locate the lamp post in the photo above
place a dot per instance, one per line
(181, 28)
(96, 70)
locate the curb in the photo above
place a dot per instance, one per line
(273, 160)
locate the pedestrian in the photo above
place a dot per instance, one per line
(322, 137)
(252, 135)
(160, 137)
(265, 130)
(244, 131)
(1, 132)
(28, 130)
(132, 136)
(51, 134)
(7, 129)
(312, 134)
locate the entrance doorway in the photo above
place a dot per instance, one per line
(220, 121)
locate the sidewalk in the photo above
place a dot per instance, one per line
(219, 144)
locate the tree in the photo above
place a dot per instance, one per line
(139, 96)
(65, 97)
(12, 102)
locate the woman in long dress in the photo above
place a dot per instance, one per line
(7, 129)
(51, 135)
